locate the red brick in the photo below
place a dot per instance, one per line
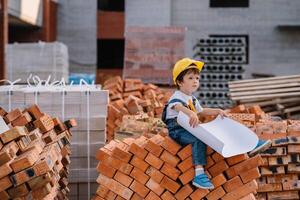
(139, 175)
(244, 166)
(13, 134)
(170, 145)
(249, 197)
(121, 154)
(106, 170)
(170, 171)
(115, 186)
(154, 174)
(154, 161)
(187, 176)
(12, 115)
(102, 191)
(217, 157)
(167, 196)
(111, 195)
(209, 151)
(272, 170)
(184, 192)
(152, 196)
(209, 162)
(186, 164)
(153, 148)
(169, 184)
(5, 183)
(141, 164)
(291, 185)
(123, 179)
(139, 188)
(135, 196)
(155, 187)
(232, 184)
(218, 168)
(241, 191)
(35, 111)
(282, 178)
(269, 187)
(216, 194)
(137, 151)
(169, 158)
(218, 180)
(250, 175)
(185, 152)
(283, 195)
(199, 194)
(236, 159)
(119, 198)
(22, 120)
(44, 123)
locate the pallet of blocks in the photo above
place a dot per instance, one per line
(88, 105)
(159, 168)
(280, 169)
(34, 155)
(41, 58)
(276, 95)
(131, 97)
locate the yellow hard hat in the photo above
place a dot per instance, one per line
(184, 64)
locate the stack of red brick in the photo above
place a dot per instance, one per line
(159, 168)
(34, 155)
(131, 96)
(280, 171)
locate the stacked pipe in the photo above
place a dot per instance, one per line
(34, 155)
(159, 168)
(280, 169)
(224, 58)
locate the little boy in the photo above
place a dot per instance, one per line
(186, 77)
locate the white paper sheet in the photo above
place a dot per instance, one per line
(226, 136)
(3, 126)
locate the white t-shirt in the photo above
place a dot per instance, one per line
(172, 113)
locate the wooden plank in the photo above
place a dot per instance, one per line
(265, 79)
(257, 83)
(289, 94)
(273, 101)
(265, 87)
(237, 94)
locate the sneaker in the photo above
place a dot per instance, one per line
(261, 146)
(202, 181)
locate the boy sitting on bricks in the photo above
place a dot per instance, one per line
(186, 77)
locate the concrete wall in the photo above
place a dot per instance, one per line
(271, 50)
(77, 28)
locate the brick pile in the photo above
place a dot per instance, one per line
(130, 97)
(280, 169)
(159, 168)
(34, 155)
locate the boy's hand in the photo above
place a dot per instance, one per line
(194, 120)
(222, 113)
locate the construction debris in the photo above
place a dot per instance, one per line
(277, 95)
(34, 155)
(132, 97)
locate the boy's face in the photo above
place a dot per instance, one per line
(190, 83)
